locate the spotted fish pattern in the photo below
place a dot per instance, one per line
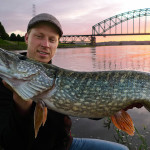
(99, 94)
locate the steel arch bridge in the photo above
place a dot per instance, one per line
(102, 27)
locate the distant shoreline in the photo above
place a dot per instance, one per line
(110, 43)
(10, 45)
(114, 43)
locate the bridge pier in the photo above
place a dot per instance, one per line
(93, 40)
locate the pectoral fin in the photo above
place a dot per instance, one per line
(123, 121)
(40, 116)
(44, 115)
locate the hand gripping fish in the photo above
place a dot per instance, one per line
(81, 94)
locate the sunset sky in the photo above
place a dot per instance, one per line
(76, 16)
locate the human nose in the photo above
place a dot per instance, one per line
(45, 43)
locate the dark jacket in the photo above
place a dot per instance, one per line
(17, 129)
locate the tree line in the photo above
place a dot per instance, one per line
(12, 37)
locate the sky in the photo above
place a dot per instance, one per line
(75, 16)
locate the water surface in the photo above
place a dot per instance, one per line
(107, 58)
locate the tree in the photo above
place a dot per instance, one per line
(22, 38)
(13, 37)
(18, 37)
(3, 33)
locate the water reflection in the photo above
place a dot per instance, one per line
(106, 58)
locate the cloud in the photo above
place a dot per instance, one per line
(76, 16)
(17, 32)
(15, 14)
(81, 23)
(71, 13)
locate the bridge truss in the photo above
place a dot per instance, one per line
(102, 27)
(74, 38)
(111, 26)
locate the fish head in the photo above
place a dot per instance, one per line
(22, 73)
(17, 66)
(14, 65)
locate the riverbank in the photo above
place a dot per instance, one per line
(14, 45)
(69, 45)
(115, 43)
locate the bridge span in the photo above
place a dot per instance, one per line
(133, 22)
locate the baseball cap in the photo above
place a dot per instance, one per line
(45, 17)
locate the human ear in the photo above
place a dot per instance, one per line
(26, 38)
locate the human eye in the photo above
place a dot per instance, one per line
(52, 40)
(38, 36)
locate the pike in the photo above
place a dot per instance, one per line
(81, 94)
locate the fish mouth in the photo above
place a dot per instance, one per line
(4, 66)
(4, 59)
(137, 105)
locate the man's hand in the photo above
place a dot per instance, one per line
(23, 105)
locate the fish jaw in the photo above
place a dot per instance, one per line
(7, 60)
(9, 63)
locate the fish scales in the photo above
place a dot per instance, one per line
(82, 94)
(99, 94)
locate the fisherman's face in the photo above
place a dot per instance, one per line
(42, 42)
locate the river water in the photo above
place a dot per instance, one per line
(108, 58)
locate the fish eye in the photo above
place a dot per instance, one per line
(22, 57)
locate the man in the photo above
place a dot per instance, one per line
(16, 115)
